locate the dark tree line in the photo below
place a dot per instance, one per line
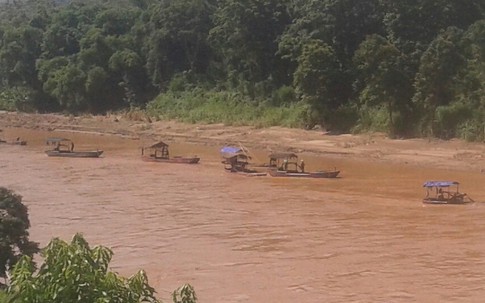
(413, 67)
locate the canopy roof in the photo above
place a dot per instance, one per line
(439, 183)
(158, 145)
(283, 155)
(239, 156)
(231, 150)
(57, 140)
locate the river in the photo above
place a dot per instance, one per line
(364, 237)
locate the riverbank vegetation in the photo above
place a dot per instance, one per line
(409, 69)
(14, 232)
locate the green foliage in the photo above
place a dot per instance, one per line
(14, 235)
(184, 294)
(74, 272)
(373, 119)
(223, 107)
(381, 78)
(438, 67)
(284, 95)
(453, 120)
(178, 39)
(409, 57)
(343, 119)
(317, 69)
(5, 298)
(245, 35)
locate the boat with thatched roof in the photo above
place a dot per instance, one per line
(159, 152)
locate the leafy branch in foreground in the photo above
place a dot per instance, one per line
(14, 235)
(74, 272)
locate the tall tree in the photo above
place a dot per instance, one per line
(14, 235)
(381, 80)
(340, 24)
(245, 36)
(317, 68)
(434, 80)
(178, 39)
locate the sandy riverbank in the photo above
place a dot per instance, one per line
(452, 154)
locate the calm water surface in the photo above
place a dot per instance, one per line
(365, 237)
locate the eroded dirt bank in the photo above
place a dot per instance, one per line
(433, 153)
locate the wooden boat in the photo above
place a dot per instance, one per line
(316, 174)
(15, 142)
(287, 165)
(158, 152)
(236, 160)
(65, 148)
(444, 192)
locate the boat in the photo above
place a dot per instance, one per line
(15, 142)
(65, 148)
(236, 160)
(286, 165)
(158, 152)
(444, 192)
(316, 174)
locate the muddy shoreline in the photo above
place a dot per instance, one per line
(453, 154)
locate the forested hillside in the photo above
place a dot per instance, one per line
(410, 68)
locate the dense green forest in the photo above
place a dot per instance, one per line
(410, 67)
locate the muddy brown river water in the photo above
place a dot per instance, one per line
(364, 237)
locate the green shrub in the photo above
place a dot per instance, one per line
(74, 272)
(343, 119)
(283, 96)
(449, 118)
(230, 108)
(372, 119)
(17, 98)
(14, 235)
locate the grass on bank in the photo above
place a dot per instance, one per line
(224, 107)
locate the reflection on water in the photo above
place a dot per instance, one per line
(365, 237)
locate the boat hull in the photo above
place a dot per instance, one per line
(14, 142)
(74, 154)
(246, 172)
(179, 160)
(319, 174)
(445, 201)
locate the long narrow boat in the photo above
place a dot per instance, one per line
(16, 142)
(176, 159)
(286, 164)
(65, 148)
(74, 154)
(316, 174)
(158, 152)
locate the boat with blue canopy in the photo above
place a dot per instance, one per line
(236, 160)
(444, 192)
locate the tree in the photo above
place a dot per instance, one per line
(434, 80)
(381, 77)
(314, 78)
(74, 272)
(245, 35)
(14, 235)
(178, 39)
(469, 84)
